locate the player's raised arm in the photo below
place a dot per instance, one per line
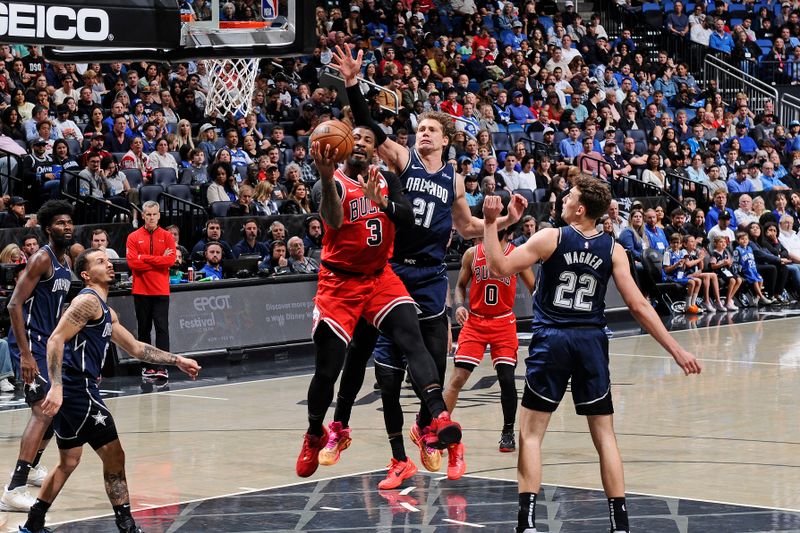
(469, 226)
(539, 246)
(644, 313)
(147, 353)
(395, 156)
(330, 206)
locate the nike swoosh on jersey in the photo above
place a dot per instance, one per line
(353, 190)
(415, 167)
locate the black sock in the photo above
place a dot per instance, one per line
(508, 428)
(618, 514)
(121, 512)
(526, 515)
(20, 475)
(398, 448)
(35, 520)
(38, 458)
(314, 426)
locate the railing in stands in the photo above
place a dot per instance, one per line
(683, 187)
(88, 208)
(10, 174)
(731, 81)
(188, 216)
(789, 108)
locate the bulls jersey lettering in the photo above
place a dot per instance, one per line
(490, 296)
(364, 241)
(571, 286)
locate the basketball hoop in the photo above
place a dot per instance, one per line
(232, 83)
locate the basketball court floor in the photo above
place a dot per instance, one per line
(714, 453)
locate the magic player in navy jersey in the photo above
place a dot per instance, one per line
(76, 352)
(568, 340)
(35, 307)
(438, 201)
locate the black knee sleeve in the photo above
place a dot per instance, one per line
(330, 353)
(355, 364)
(508, 392)
(391, 383)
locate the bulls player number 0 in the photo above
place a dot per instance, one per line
(490, 294)
(569, 298)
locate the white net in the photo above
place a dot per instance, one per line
(232, 83)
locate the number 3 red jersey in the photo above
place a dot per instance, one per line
(489, 296)
(365, 240)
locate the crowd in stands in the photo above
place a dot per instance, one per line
(537, 94)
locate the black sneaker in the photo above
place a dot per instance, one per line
(507, 442)
(128, 526)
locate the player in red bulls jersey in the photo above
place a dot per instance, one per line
(357, 291)
(489, 321)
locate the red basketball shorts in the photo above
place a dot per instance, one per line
(499, 333)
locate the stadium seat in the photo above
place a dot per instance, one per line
(164, 176)
(134, 176)
(539, 195)
(180, 191)
(186, 177)
(150, 192)
(525, 193)
(501, 141)
(74, 147)
(219, 209)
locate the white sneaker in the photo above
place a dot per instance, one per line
(732, 306)
(710, 307)
(17, 500)
(36, 475)
(6, 386)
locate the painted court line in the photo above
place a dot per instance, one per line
(409, 507)
(406, 491)
(705, 360)
(330, 508)
(460, 523)
(194, 396)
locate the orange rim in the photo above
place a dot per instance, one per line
(242, 25)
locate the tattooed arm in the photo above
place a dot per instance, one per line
(84, 308)
(147, 353)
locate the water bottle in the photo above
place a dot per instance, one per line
(57, 171)
(190, 274)
(84, 187)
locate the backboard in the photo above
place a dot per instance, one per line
(160, 30)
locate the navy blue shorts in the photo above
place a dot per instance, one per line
(557, 355)
(427, 285)
(36, 391)
(83, 417)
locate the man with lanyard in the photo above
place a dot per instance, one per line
(35, 307)
(438, 201)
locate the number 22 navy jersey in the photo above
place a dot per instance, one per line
(571, 285)
(431, 195)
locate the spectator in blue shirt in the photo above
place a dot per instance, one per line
(720, 200)
(720, 39)
(769, 179)
(739, 182)
(520, 113)
(656, 238)
(677, 21)
(665, 84)
(250, 245)
(746, 143)
(213, 267)
(571, 147)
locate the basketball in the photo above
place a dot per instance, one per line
(335, 134)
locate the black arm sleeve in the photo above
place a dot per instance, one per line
(358, 104)
(399, 209)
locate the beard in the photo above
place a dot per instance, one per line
(60, 241)
(357, 166)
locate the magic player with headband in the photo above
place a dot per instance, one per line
(356, 291)
(489, 320)
(437, 197)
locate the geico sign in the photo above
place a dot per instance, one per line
(53, 22)
(213, 303)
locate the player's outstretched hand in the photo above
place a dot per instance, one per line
(372, 188)
(325, 161)
(688, 362)
(492, 206)
(188, 366)
(343, 61)
(516, 208)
